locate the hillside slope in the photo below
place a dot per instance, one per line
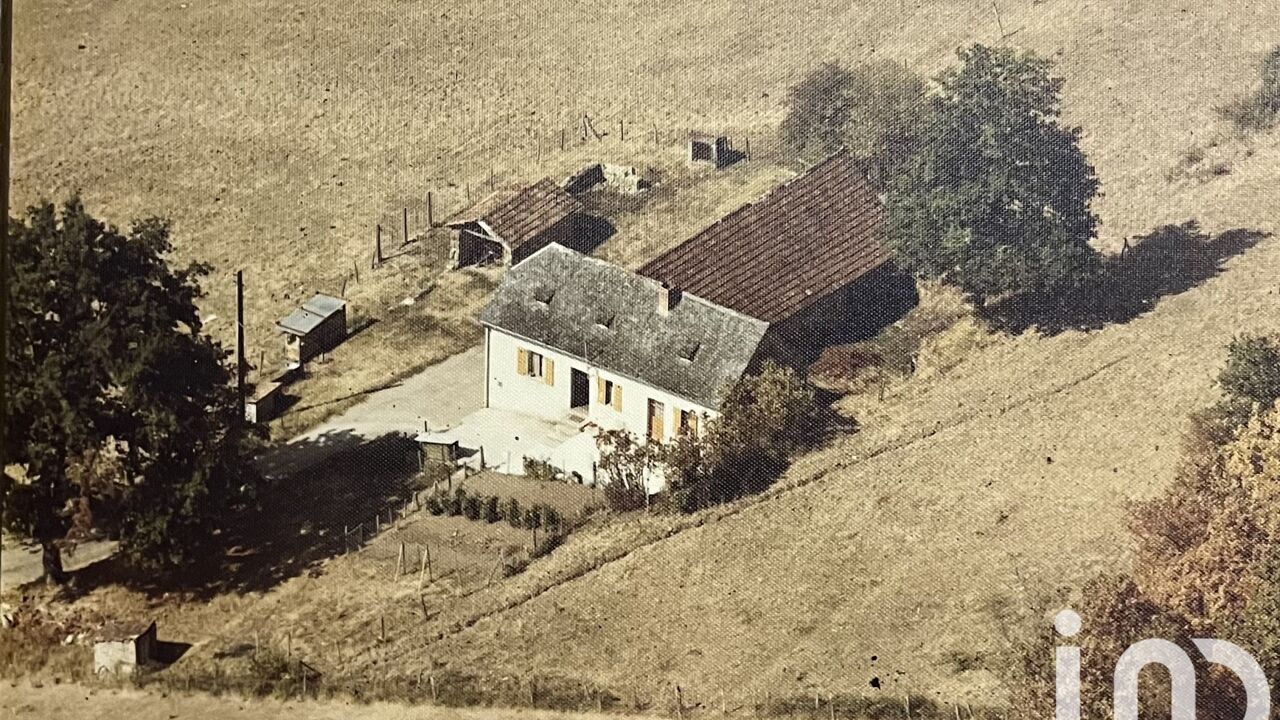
(918, 541)
(277, 135)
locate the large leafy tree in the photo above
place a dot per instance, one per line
(120, 417)
(876, 110)
(995, 197)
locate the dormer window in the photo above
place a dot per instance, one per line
(544, 295)
(689, 350)
(605, 320)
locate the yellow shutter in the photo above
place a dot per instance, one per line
(549, 371)
(617, 397)
(599, 390)
(675, 421)
(522, 361)
(693, 424)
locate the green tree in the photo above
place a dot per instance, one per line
(120, 416)
(876, 111)
(1269, 93)
(627, 463)
(764, 419)
(1252, 373)
(995, 198)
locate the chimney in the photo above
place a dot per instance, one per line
(667, 299)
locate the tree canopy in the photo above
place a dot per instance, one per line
(995, 195)
(120, 417)
(875, 110)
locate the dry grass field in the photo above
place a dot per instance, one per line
(275, 136)
(70, 702)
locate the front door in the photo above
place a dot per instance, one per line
(579, 389)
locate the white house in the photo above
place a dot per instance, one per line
(579, 344)
(574, 344)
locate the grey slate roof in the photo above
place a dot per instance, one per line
(607, 316)
(311, 314)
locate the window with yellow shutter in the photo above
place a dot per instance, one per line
(533, 364)
(608, 393)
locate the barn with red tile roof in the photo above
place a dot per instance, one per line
(805, 258)
(772, 258)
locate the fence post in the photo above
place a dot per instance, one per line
(406, 225)
(431, 216)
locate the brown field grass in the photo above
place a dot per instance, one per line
(969, 498)
(75, 702)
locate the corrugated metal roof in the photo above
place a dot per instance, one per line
(325, 305)
(311, 314)
(521, 216)
(770, 259)
(638, 342)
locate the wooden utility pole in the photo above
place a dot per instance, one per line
(6, 60)
(240, 362)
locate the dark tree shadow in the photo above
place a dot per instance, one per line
(313, 490)
(1168, 261)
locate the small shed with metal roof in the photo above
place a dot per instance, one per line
(316, 327)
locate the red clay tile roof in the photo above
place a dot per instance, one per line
(521, 216)
(771, 258)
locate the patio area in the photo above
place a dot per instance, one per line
(500, 440)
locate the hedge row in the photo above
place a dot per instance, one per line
(491, 509)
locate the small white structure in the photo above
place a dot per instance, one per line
(121, 648)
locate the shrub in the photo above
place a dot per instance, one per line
(1252, 372)
(1269, 93)
(626, 462)
(491, 512)
(531, 519)
(453, 503)
(472, 507)
(763, 420)
(434, 506)
(1258, 110)
(512, 513)
(540, 470)
(549, 519)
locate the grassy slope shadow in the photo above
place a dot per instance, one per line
(330, 482)
(1170, 260)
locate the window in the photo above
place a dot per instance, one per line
(687, 422)
(609, 393)
(657, 433)
(534, 365)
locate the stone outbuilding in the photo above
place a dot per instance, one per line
(507, 227)
(122, 647)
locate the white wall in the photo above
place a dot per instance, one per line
(509, 390)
